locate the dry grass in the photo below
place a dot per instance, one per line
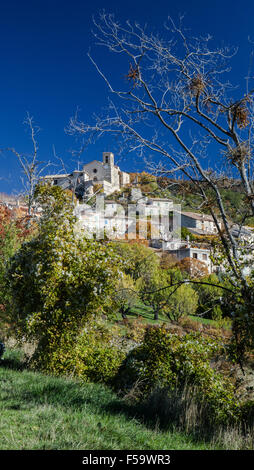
(179, 411)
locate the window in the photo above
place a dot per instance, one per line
(95, 179)
(195, 255)
(55, 182)
(106, 159)
(204, 256)
(94, 170)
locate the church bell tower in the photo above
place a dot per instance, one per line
(108, 159)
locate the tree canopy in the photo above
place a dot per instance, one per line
(58, 279)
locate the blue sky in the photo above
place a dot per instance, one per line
(45, 70)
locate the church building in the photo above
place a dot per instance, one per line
(105, 174)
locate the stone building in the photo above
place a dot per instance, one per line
(198, 224)
(105, 174)
(193, 252)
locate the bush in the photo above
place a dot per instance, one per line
(247, 412)
(95, 357)
(135, 329)
(167, 361)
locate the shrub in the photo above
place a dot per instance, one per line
(247, 412)
(167, 361)
(186, 233)
(135, 329)
(95, 357)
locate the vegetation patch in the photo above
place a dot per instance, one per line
(169, 362)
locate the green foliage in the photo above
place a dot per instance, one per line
(9, 242)
(94, 356)
(98, 357)
(186, 233)
(234, 203)
(238, 300)
(174, 301)
(13, 231)
(154, 290)
(58, 279)
(209, 297)
(137, 259)
(125, 296)
(182, 302)
(167, 361)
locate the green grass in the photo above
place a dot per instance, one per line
(44, 412)
(204, 321)
(146, 313)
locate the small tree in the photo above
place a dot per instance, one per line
(58, 279)
(31, 166)
(184, 301)
(209, 297)
(155, 291)
(194, 267)
(125, 297)
(137, 259)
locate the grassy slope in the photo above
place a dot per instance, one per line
(43, 412)
(146, 313)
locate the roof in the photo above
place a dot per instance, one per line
(57, 176)
(238, 231)
(93, 161)
(110, 201)
(195, 215)
(197, 231)
(160, 199)
(186, 247)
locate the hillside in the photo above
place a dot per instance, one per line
(183, 192)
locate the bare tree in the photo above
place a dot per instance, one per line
(177, 104)
(32, 167)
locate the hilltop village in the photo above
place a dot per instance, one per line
(127, 211)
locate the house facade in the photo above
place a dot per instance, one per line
(195, 253)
